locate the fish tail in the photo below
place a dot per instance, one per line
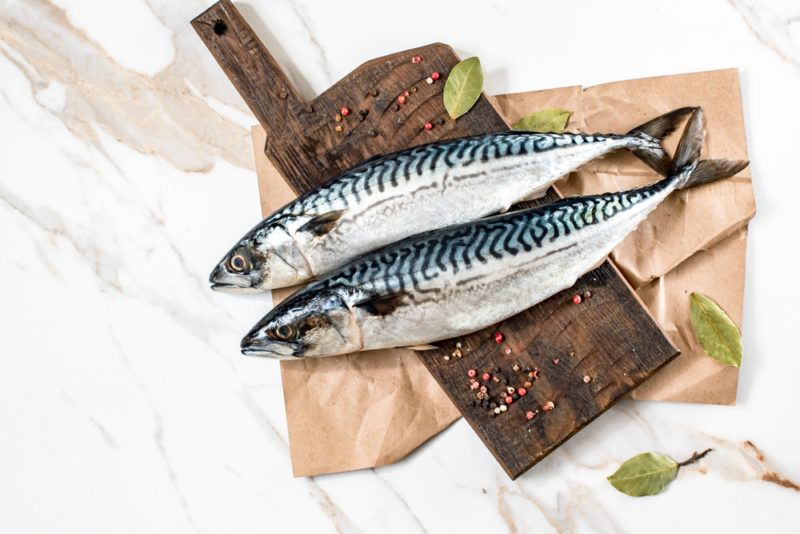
(650, 137)
(687, 166)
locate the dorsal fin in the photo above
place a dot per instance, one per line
(323, 223)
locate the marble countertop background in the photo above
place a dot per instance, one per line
(126, 168)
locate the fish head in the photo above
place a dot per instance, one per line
(308, 324)
(267, 257)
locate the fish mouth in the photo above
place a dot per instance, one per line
(232, 288)
(256, 346)
(224, 282)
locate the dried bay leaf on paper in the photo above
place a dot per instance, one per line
(716, 332)
(463, 87)
(551, 120)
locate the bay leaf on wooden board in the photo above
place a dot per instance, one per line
(715, 331)
(463, 87)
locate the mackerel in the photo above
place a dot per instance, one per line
(458, 280)
(424, 188)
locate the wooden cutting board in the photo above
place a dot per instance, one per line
(577, 359)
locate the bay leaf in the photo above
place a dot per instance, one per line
(463, 87)
(715, 331)
(644, 474)
(545, 120)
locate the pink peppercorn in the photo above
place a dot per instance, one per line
(509, 400)
(434, 75)
(416, 59)
(428, 126)
(556, 361)
(587, 379)
(529, 415)
(508, 350)
(405, 93)
(471, 373)
(475, 385)
(486, 377)
(401, 99)
(548, 406)
(521, 392)
(576, 299)
(345, 111)
(498, 337)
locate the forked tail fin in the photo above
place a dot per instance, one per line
(687, 162)
(652, 134)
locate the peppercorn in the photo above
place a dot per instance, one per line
(435, 75)
(587, 294)
(522, 391)
(471, 373)
(429, 80)
(493, 405)
(529, 415)
(549, 405)
(428, 126)
(587, 379)
(576, 299)
(345, 111)
(502, 407)
(485, 377)
(337, 117)
(416, 59)
(509, 400)
(401, 99)
(515, 396)
(498, 337)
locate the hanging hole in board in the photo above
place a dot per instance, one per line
(220, 27)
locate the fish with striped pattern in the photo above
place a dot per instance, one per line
(457, 280)
(424, 188)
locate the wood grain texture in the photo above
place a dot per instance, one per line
(610, 337)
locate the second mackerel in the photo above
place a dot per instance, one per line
(416, 190)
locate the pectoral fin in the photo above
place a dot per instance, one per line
(383, 305)
(323, 223)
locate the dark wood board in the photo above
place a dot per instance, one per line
(609, 338)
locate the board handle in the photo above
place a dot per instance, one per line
(258, 78)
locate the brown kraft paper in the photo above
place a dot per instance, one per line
(371, 409)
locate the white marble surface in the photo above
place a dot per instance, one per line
(125, 405)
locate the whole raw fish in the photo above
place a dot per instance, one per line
(416, 190)
(457, 280)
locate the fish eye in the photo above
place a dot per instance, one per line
(284, 332)
(238, 263)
